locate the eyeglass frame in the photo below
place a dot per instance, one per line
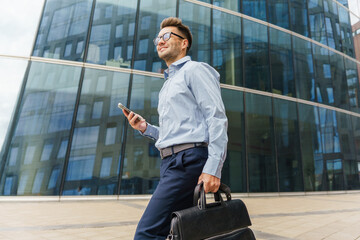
(157, 39)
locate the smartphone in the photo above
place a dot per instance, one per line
(128, 111)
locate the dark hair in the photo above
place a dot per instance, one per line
(176, 22)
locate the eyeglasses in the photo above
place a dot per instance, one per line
(166, 36)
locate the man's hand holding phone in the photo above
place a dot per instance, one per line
(135, 120)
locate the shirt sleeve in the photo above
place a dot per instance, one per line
(151, 132)
(205, 86)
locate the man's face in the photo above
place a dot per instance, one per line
(170, 49)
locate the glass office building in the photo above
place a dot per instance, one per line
(289, 78)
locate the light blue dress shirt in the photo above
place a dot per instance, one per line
(191, 110)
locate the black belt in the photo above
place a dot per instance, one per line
(165, 152)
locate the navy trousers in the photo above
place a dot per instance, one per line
(179, 174)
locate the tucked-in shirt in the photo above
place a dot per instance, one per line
(191, 110)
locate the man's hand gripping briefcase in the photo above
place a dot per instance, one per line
(225, 220)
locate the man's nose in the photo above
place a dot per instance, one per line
(161, 41)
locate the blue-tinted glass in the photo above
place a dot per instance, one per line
(323, 79)
(311, 148)
(105, 167)
(352, 72)
(141, 169)
(110, 33)
(256, 56)
(338, 76)
(331, 148)
(298, 17)
(151, 14)
(317, 21)
(95, 137)
(255, 8)
(198, 19)
(227, 57)
(332, 24)
(351, 172)
(288, 146)
(234, 170)
(282, 72)
(279, 12)
(346, 32)
(260, 144)
(304, 69)
(233, 5)
(8, 186)
(43, 122)
(65, 21)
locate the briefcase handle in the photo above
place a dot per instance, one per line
(199, 194)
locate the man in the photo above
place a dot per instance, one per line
(192, 132)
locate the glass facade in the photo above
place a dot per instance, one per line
(289, 78)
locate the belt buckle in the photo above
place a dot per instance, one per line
(161, 154)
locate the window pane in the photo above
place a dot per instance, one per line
(332, 24)
(338, 76)
(279, 13)
(256, 56)
(282, 72)
(288, 146)
(346, 32)
(304, 69)
(97, 136)
(198, 19)
(110, 33)
(151, 14)
(227, 57)
(228, 4)
(352, 73)
(260, 144)
(234, 170)
(141, 170)
(42, 124)
(255, 8)
(298, 15)
(311, 148)
(65, 21)
(317, 21)
(323, 82)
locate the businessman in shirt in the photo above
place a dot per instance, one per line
(192, 132)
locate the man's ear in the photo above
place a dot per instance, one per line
(185, 44)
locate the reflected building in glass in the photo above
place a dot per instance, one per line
(289, 78)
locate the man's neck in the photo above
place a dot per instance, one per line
(171, 61)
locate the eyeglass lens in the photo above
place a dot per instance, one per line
(165, 37)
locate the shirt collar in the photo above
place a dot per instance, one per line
(175, 66)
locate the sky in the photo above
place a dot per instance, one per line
(18, 23)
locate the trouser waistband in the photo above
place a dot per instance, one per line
(165, 152)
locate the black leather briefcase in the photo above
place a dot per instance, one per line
(226, 220)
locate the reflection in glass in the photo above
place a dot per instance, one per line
(298, 17)
(279, 13)
(42, 124)
(332, 24)
(97, 137)
(151, 14)
(346, 32)
(260, 145)
(352, 72)
(227, 57)
(282, 73)
(338, 76)
(311, 149)
(111, 33)
(317, 21)
(198, 19)
(256, 56)
(234, 170)
(288, 146)
(255, 8)
(304, 69)
(63, 21)
(323, 82)
(142, 160)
